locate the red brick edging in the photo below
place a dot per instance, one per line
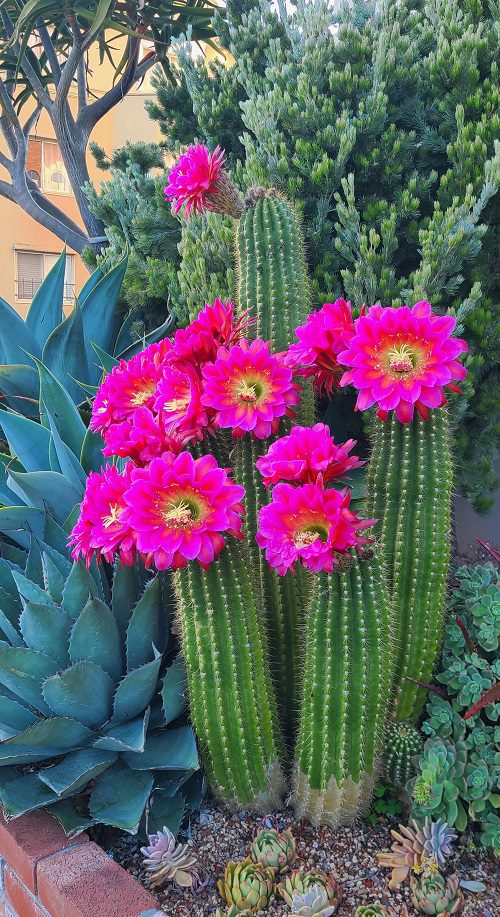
(43, 873)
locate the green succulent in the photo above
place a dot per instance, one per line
(246, 886)
(273, 848)
(441, 720)
(490, 836)
(301, 882)
(440, 783)
(233, 912)
(86, 694)
(372, 910)
(432, 893)
(313, 903)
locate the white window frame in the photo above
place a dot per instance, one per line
(68, 295)
(43, 186)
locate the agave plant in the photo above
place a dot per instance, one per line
(274, 848)
(166, 861)
(435, 894)
(415, 846)
(86, 694)
(246, 886)
(75, 348)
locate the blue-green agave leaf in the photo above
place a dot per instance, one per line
(25, 794)
(84, 691)
(45, 739)
(46, 310)
(120, 796)
(47, 629)
(135, 691)
(71, 820)
(17, 342)
(79, 586)
(143, 630)
(167, 749)
(165, 810)
(91, 456)
(156, 335)
(95, 636)
(43, 489)
(76, 769)
(22, 671)
(67, 462)
(125, 737)
(89, 285)
(29, 591)
(55, 399)
(66, 356)
(20, 382)
(126, 590)
(173, 692)
(106, 361)
(27, 440)
(18, 522)
(14, 717)
(101, 323)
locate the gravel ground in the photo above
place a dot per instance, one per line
(349, 853)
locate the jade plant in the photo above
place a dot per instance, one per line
(205, 422)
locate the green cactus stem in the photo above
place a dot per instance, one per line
(402, 743)
(273, 284)
(409, 491)
(346, 693)
(230, 692)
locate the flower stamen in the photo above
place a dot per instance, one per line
(180, 514)
(114, 510)
(400, 359)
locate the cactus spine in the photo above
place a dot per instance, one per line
(345, 693)
(403, 742)
(231, 697)
(409, 491)
(273, 284)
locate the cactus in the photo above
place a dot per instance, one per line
(231, 696)
(274, 848)
(435, 894)
(346, 693)
(409, 491)
(402, 742)
(246, 886)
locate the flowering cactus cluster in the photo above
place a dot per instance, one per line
(254, 516)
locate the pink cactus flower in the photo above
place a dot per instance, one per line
(215, 326)
(305, 454)
(144, 436)
(321, 339)
(181, 508)
(101, 530)
(129, 385)
(403, 359)
(194, 178)
(308, 524)
(178, 400)
(249, 389)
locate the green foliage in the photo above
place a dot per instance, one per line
(439, 785)
(469, 668)
(383, 135)
(384, 804)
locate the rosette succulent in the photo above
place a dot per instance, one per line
(300, 882)
(435, 894)
(415, 846)
(313, 902)
(165, 860)
(372, 910)
(247, 885)
(274, 848)
(440, 784)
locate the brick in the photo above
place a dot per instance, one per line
(25, 840)
(84, 882)
(20, 898)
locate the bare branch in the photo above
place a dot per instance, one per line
(94, 112)
(7, 191)
(31, 121)
(50, 51)
(5, 162)
(11, 127)
(82, 84)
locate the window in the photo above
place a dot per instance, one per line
(33, 267)
(45, 161)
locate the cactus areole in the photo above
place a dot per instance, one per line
(287, 605)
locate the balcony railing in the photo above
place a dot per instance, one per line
(27, 287)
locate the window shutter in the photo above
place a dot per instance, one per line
(29, 274)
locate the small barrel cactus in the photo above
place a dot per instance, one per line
(300, 882)
(403, 742)
(375, 909)
(165, 861)
(274, 848)
(247, 885)
(435, 894)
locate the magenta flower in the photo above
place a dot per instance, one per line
(144, 436)
(249, 389)
(403, 359)
(215, 326)
(178, 400)
(321, 339)
(308, 524)
(181, 508)
(306, 454)
(129, 385)
(194, 178)
(101, 530)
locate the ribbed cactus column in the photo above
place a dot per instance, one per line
(346, 694)
(230, 692)
(409, 491)
(273, 284)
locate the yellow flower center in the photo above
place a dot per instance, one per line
(114, 510)
(247, 391)
(304, 539)
(144, 394)
(400, 359)
(177, 404)
(180, 514)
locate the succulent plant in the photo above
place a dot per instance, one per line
(274, 848)
(247, 885)
(312, 902)
(417, 845)
(435, 894)
(439, 785)
(375, 909)
(402, 742)
(167, 861)
(299, 882)
(416, 552)
(234, 912)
